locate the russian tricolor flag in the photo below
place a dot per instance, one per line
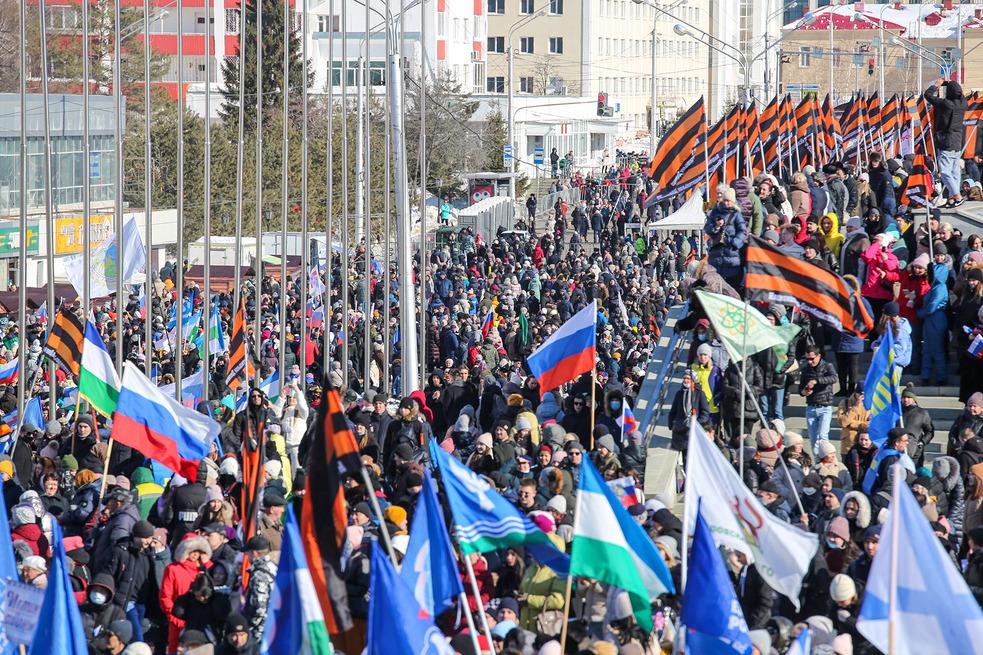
(158, 426)
(488, 323)
(8, 371)
(570, 352)
(627, 421)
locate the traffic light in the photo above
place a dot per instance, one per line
(602, 103)
(870, 66)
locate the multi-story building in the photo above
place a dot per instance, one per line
(582, 49)
(850, 47)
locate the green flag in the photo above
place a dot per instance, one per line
(731, 318)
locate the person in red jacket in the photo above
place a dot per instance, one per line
(486, 584)
(191, 557)
(26, 529)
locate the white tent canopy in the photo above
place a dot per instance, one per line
(688, 217)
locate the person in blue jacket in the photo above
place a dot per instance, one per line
(891, 316)
(935, 322)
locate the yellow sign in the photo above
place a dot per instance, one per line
(68, 232)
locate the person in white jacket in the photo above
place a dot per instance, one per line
(293, 410)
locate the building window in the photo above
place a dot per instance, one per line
(495, 84)
(837, 56)
(556, 7)
(526, 85)
(231, 21)
(350, 78)
(527, 6)
(496, 44)
(556, 45)
(805, 56)
(496, 6)
(526, 45)
(328, 23)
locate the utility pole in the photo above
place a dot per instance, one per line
(652, 136)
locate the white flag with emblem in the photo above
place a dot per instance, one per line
(782, 553)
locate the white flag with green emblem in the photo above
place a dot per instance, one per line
(731, 318)
(98, 380)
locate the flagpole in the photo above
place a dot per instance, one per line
(781, 460)
(740, 445)
(22, 389)
(118, 207)
(569, 589)
(206, 306)
(49, 214)
(462, 598)
(284, 157)
(105, 468)
(892, 605)
(383, 529)
(305, 236)
(326, 304)
(477, 597)
(148, 331)
(179, 273)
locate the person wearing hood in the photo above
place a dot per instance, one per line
(933, 315)
(891, 319)
(728, 233)
(829, 228)
(99, 611)
(838, 194)
(948, 131)
(119, 516)
(854, 243)
(883, 270)
(946, 470)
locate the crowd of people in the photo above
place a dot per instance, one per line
(156, 559)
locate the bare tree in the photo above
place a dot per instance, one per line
(9, 46)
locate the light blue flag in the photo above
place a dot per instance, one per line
(8, 573)
(34, 413)
(802, 644)
(484, 520)
(934, 611)
(428, 567)
(882, 390)
(396, 626)
(59, 628)
(712, 615)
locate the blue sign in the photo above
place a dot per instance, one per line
(538, 156)
(617, 107)
(95, 165)
(507, 153)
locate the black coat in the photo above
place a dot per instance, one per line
(756, 597)
(947, 115)
(918, 423)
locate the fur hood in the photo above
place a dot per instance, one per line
(946, 469)
(863, 516)
(189, 545)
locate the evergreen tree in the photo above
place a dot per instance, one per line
(273, 28)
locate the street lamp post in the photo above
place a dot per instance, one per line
(511, 123)
(862, 18)
(923, 53)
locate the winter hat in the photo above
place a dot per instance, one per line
(975, 274)
(941, 468)
(401, 542)
(509, 603)
(23, 514)
(543, 521)
(522, 423)
(770, 235)
(909, 392)
(142, 529)
(669, 543)
(557, 504)
(395, 514)
(123, 630)
(607, 441)
(975, 399)
(921, 260)
(854, 223)
(485, 438)
(793, 439)
(213, 492)
(892, 309)
(843, 644)
(839, 527)
(824, 449)
(842, 588)
(35, 562)
(761, 639)
(53, 427)
(704, 349)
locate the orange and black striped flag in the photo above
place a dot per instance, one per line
(971, 124)
(750, 134)
(917, 189)
(889, 125)
(679, 164)
(806, 120)
(240, 364)
(64, 344)
(768, 122)
(874, 122)
(925, 118)
(774, 276)
(850, 126)
(324, 516)
(830, 132)
(723, 141)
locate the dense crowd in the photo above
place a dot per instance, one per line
(156, 559)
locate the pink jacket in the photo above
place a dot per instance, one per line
(877, 260)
